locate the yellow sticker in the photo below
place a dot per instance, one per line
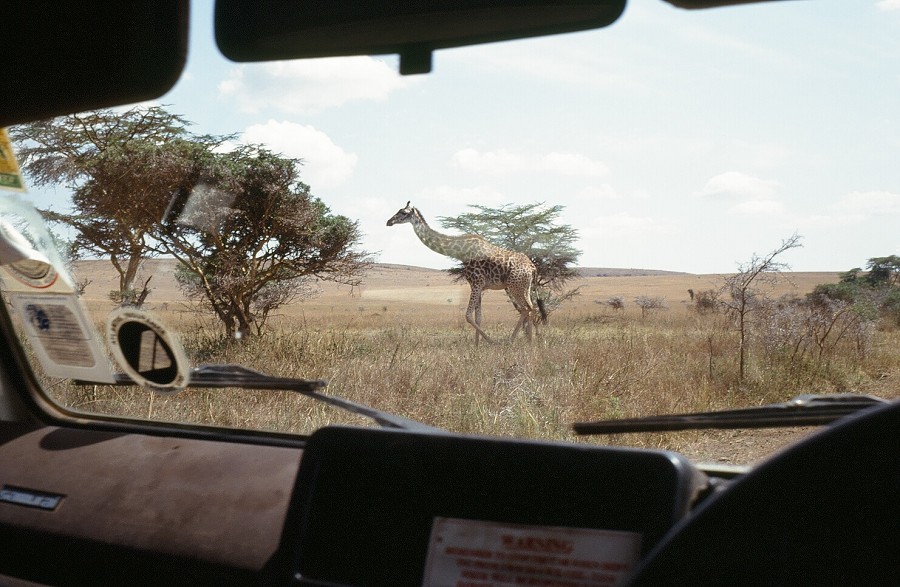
(10, 176)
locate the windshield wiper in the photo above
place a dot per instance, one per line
(207, 376)
(803, 410)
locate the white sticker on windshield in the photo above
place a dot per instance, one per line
(29, 260)
(146, 351)
(473, 553)
(61, 337)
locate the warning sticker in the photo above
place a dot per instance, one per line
(62, 340)
(472, 553)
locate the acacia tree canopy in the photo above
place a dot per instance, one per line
(883, 271)
(876, 291)
(531, 229)
(121, 167)
(251, 234)
(249, 238)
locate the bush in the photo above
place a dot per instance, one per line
(890, 306)
(705, 301)
(647, 303)
(616, 303)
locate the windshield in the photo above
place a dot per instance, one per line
(683, 212)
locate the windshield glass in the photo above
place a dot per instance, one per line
(688, 211)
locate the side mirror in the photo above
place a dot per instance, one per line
(147, 352)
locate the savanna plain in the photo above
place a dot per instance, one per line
(400, 343)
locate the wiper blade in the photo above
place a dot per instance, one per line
(242, 377)
(207, 376)
(803, 410)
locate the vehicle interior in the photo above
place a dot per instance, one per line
(89, 500)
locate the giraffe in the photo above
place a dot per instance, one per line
(485, 266)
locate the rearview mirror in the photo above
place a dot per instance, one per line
(247, 30)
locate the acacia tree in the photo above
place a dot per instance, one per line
(122, 168)
(877, 290)
(531, 229)
(250, 235)
(883, 271)
(741, 292)
(254, 231)
(648, 303)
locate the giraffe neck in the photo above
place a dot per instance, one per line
(464, 247)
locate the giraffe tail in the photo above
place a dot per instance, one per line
(543, 310)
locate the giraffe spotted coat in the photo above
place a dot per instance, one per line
(485, 266)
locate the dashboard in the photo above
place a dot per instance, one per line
(355, 507)
(367, 506)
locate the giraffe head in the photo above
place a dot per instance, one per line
(405, 214)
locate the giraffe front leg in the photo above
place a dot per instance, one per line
(473, 316)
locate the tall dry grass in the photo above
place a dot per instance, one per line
(590, 363)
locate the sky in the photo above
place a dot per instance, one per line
(675, 140)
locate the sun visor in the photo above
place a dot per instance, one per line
(76, 56)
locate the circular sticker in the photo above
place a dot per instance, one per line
(25, 263)
(146, 351)
(36, 274)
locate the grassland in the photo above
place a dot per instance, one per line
(400, 343)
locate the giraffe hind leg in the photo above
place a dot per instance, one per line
(524, 321)
(521, 322)
(526, 310)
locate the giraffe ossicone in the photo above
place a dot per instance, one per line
(485, 266)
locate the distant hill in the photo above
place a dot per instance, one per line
(386, 281)
(619, 272)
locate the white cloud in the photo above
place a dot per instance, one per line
(855, 209)
(572, 164)
(759, 155)
(504, 162)
(757, 207)
(599, 192)
(462, 197)
(325, 164)
(498, 162)
(624, 225)
(553, 60)
(888, 5)
(736, 185)
(828, 222)
(305, 86)
(870, 203)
